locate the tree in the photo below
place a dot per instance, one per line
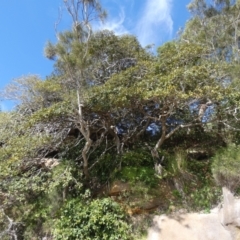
(107, 97)
(215, 26)
(72, 57)
(85, 59)
(163, 91)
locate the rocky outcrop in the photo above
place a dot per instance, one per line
(221, 223)
(39, 163)
(134, 203)
(118, 187)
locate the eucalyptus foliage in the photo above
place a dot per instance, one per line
(111, 109)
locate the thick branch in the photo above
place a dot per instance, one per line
(163, 137)
(117, 140)
(9, 230)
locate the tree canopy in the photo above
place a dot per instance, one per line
(108, 98)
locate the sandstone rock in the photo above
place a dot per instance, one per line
(49, 163)
(118, 187)
(220, 224)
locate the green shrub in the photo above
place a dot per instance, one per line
(137, 157)
(226, 167)
(204, 198)
(201, 170)
(106, 167)
(100, 219)
(139, 174)
(176, 164)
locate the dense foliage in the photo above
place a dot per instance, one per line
(113, 111)
(226, 167)
(101, 219)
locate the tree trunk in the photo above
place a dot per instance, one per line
(85, 130)
(85, 151)
(162, 139)
(154, 151)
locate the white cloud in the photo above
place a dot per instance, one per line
(115, 24)
(156, 20)
(154, 25)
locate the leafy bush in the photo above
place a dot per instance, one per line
(226, 167)
(137, 157)
(176, 164)
(201, 170)
(142, 174)
(100, 219)
(204, 198)
(106, 167)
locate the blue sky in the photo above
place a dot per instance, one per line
(26, 26)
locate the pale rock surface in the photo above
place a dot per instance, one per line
(220, 224)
